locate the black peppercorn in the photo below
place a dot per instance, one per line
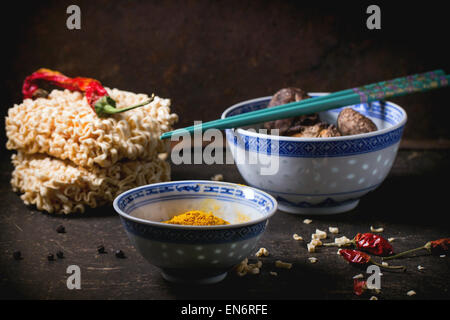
(17, 255)
(60, 254)
(120, 254)
(61, 229)
(50, 257)
(101, 249)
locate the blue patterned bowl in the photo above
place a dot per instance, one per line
(194, 254)
(317, 175)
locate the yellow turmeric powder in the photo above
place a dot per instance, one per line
(196, 218)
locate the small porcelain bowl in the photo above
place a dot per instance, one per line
(194, 254)
(318, 175)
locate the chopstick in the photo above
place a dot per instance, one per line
(368, 93)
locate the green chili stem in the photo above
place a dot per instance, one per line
(106, 106)
(111, 110)
(387, 267)
(401, 254)
(334, 244)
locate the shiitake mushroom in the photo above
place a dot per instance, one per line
(349, 121)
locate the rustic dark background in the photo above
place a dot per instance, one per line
(208, 55)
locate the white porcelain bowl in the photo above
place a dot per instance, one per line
(318, 175)
(194, 254)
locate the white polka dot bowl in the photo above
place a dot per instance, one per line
(194, 254)
(317, 175)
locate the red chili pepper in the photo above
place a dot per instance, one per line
(435, 247)
(369, 242)
(359, 286)
(95, 93)
(373, 243)
(362, 258)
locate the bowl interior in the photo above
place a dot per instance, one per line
(234, 203)
(383, 113)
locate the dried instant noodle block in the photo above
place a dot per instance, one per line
(64, 126)
(59, 186)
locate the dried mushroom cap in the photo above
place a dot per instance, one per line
(287, 95)
(351, 122)
(331, 131)
(319, 130)
(284, 96)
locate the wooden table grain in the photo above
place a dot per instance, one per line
(411, 205)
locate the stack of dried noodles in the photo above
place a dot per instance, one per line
(69, 158)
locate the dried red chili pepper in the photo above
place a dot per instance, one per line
(362, 258)
(373, 243)
(359, 286)
(369, 242)
(435, 247)
(95, 93)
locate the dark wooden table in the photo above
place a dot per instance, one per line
(411, 205)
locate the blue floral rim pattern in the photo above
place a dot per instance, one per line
(127, 202)
(321, 148)
(194, 236)
(312, 149)
(328, 202)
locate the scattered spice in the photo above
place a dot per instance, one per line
(60, 254)
(17, 255)
(217, 177)
(254, 270)
(411, 293)
(334, 230)
(297, 237)
(340, 242)
(319, 234)
(262, 252)
(61, 229)
(311, 247)
(96, 94)
(244, 267)
(196, 218)
(313, 244)
(312, 259)
(119, 254)
(435, 247)
(50, 257)
(376, 229)
(361, 258)
(283, 265)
